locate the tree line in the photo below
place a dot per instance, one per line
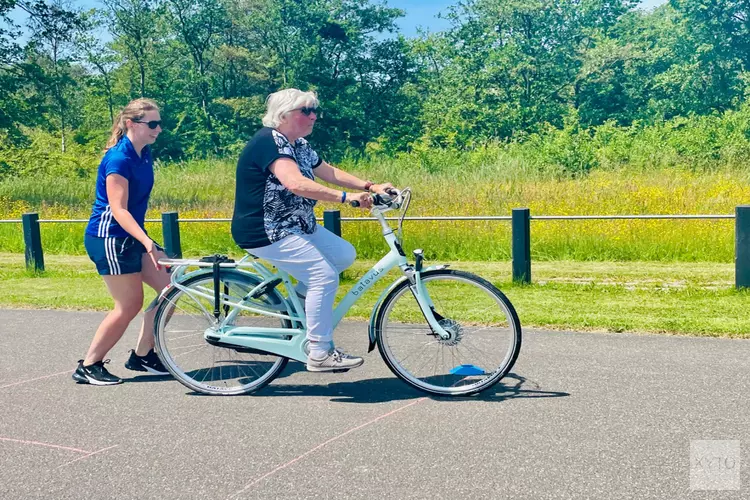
(504, 70)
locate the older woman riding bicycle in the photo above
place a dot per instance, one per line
(273, 219)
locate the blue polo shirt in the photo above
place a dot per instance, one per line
(122, 159)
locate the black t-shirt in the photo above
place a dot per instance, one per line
(264, 210)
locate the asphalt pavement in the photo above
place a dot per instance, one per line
(582, 415)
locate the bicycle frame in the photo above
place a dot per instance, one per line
(291, 342)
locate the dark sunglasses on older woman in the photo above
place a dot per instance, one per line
(151, 124)
(312, 109)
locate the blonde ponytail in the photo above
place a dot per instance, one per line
(135, 110)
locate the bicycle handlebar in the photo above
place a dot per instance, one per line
(378, 199)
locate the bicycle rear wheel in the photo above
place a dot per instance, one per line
(485, 334)
(182, 319)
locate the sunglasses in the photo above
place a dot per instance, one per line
(151, 124)
(306, 111)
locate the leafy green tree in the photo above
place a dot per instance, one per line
(11, 108)
(335, 48)
(198, 24)
(133, 24)
(507, 66)
(625, 76)
(716, 49)
(98, 55)
(51, 50)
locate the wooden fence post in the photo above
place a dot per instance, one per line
(170, 227)
(32, 239)
(521, 245)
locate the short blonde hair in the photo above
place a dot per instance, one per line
(282, 102)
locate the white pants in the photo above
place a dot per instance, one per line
(316, 261)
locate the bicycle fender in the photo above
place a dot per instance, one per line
(371, 330)
(373, 335)
(155, 302)
(179, 275)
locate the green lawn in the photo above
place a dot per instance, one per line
(681, 298)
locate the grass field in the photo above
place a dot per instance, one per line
(671, 276)
(206, 190)
(676, 298)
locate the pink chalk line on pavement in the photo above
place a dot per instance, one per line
(86, 453)
(37, 443)
(35, 379)
(284, 466)
(87, 456)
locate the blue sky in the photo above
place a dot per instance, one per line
(423, 13)
(418, 12)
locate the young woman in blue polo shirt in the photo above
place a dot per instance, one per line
(116, 241)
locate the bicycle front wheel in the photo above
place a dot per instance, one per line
(484, 341)
(182, 319)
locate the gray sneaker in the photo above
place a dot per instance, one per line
(336, 361)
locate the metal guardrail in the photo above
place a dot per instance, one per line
(520, 239)
(435, 218)
(613, 217)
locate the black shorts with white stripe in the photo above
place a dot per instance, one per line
(114, 256)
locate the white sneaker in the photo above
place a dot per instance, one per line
(335, 361)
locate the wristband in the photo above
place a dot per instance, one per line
(368, 185)
(343, 196)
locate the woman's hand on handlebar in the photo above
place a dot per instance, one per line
(362, 200)
(385, 188)
(365, 200)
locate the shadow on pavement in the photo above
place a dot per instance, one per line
(379, 390)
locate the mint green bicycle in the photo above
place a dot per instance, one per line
(230, 328)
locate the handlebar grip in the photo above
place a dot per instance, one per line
(377, 199)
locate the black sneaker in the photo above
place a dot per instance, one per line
(148, 363)
(95, 374)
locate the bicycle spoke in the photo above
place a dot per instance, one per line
(422, 332)
(202, 365)
(425, 362)
(421, 350)
(414, 327)
(183, 354)
(199, 308)
(479, 354)
(188, 346)
(480, 329)
(194, 332)
(470, 312)
(437, 357)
